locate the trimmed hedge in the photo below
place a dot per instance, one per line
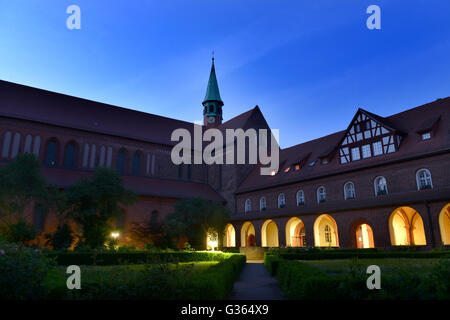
(137, 257)
(217, 281)
(360, 254)
(302, 281)
(155, 282)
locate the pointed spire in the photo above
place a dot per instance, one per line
(212, 91)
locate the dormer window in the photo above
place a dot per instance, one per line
(312, 163)
(325, 161)
(355, 154)
(368, 136)
(426, 135)
(366, 152)
(297, 167)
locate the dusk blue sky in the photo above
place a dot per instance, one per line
(309, 65)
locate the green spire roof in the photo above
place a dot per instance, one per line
(212, 92)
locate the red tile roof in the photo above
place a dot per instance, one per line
(23, 102)
(28, 103)
(407, 122)
(140, 185)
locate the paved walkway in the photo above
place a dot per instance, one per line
(255, 283)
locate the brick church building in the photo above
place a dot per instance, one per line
(381, 182)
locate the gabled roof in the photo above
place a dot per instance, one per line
(428, 124)
(252, 118)
(27, 103)
(381, 120)
(406, 122)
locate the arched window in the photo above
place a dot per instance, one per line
(37, 145)
(109, 157)
(6, 144)
(136, 163)
(423, 178)
(281, 200)
(69, 157)
(101, 162)
(16, 145)
(349, 191)
(86, 155)
(248, 205)
(50, 155)
(262, 204)
(93, 156)
(321, 195)
(28, 141)
(121, 162)
(380, 186)
(327, 234)
(300, 197)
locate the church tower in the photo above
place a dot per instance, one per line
(212, 104)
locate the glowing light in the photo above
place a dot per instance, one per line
(212, 240)
(213, 244)
(115, 235)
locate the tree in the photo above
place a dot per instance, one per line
(93, 203)
(150, 232)
(62, 238)
(21, 184)
(195, 218)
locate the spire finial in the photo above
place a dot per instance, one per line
(213, 56)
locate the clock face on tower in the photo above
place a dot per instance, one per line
(211, 119)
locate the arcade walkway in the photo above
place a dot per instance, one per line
(255, 283)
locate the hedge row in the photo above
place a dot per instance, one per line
(301, 281)
(158, 282)
(138, 257)
(338, 254)
(217, 281)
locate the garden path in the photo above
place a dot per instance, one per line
(256, 283)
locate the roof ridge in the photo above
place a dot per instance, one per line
(112, 106)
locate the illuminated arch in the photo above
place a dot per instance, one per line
(295, 233)
(361, 234)
(325, 232)
(229, 237)
(444, 224)
(269, 234)
(248, 235)
(406, 227)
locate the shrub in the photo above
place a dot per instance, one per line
(61, 239)
(23, 272)
(91, 257)
(216, 282)
(321, 254)
(157, 281)
(300, 280)
(21, 232)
